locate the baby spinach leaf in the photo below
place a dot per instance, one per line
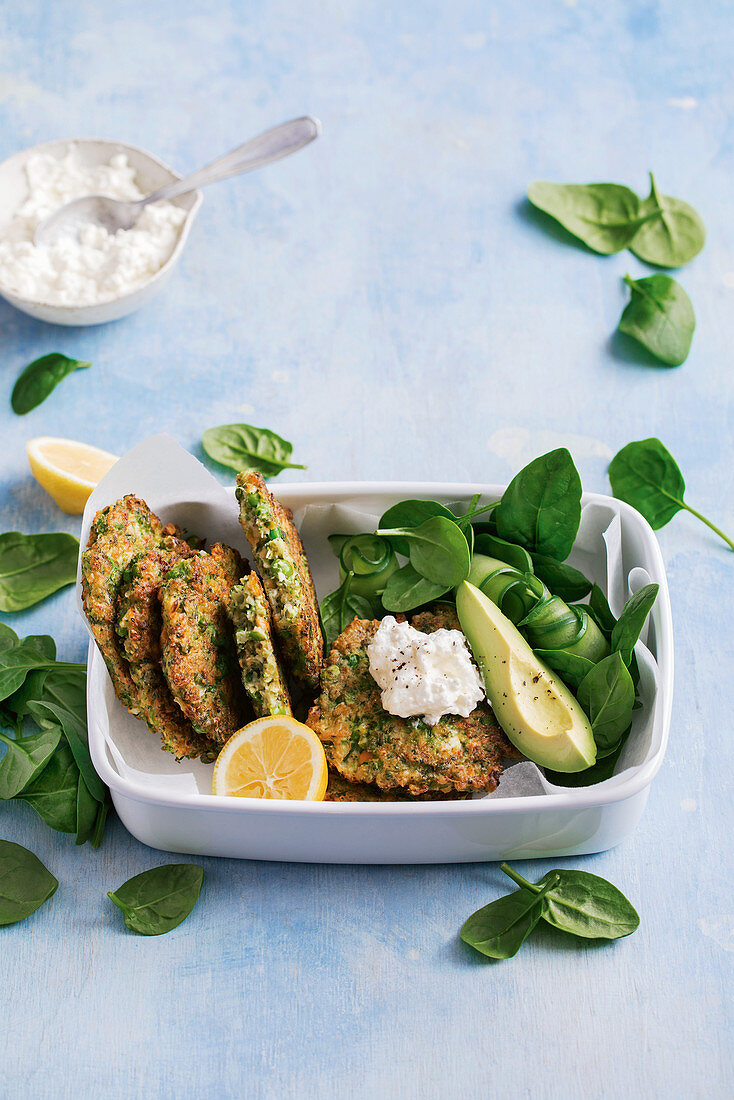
(581, 903)
(605, 216)
(24, 883)
(8, 637)
(103, 808)
(562, 579)
(411, 513)
(495, 547)
(86, 812)
(25, 758)
(541, 507)
(32, 690)
(660, 316)
(15, 664)
(439, 551)
(64, 702)
(645, 475)
(343, 605)
(53, 792)
(500, 928)
(571, 667)
(601, 611)
(244, 447)
(34, 566)
(630, 623)
(40, 378)
(673, 236)
(158, 900)
(407, 589)
(607, 696)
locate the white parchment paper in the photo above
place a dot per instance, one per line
(179, 489)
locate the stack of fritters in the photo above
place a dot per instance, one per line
(172, 621)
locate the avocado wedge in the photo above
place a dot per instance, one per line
(536, 710)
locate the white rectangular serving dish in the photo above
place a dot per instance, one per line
(556, 822)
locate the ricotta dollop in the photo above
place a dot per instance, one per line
(95, 266)
(424, 675)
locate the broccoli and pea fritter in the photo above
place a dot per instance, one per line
(366, 744)
(139, 633)
(197, 646)
(117, 535)
(262, 675)
(283, 567)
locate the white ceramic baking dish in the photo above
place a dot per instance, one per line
(551, 822)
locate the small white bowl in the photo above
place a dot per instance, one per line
(151, 173)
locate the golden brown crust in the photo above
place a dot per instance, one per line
(139, 632)
(197, 643)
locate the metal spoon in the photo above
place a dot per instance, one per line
(114, 214)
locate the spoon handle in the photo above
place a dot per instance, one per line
(287, 138)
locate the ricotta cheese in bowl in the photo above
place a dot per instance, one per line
(96, 276)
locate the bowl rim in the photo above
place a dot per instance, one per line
(583, 798)
(116, 146)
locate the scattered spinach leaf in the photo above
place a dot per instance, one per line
(40, 378)
(32, 567)
(645, 475)
(562, 579)
(15, 664)
(25, 758)
(64, 702)
(24, 883)
(660, 316)
(630, 623)
(582, 904)
(157, 901)
(244, 447)
(8, 637)
(607, 696)
(500, 928)
(86, 812)
(407, 589)
(541, 507)
(53, 792)
(605, 216)
(673, 236)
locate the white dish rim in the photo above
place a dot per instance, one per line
(115, 147)
(578, 798)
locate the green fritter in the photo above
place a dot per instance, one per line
(197, 643)
(118, 534)
(366, 744)
(286, 577)
(262, 676)
(342, 790)
(139, 633)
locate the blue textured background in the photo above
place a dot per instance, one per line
(386, 300)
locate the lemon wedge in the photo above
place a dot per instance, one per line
(275, 757)
(67, 470)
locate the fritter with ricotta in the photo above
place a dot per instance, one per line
(286, 577)
(368, 745)
(118, 533)
(197, 642)
(262, 676)
(139, 632)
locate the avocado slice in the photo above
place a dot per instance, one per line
(536, 710)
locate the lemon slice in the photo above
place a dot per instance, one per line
(274, 757)
(67, 470)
